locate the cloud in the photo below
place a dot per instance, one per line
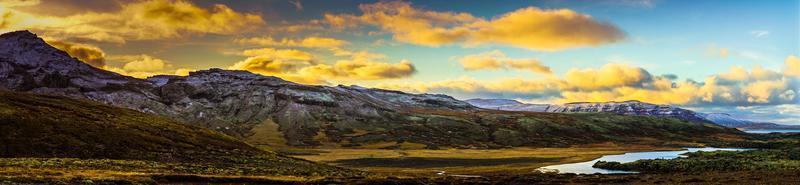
(308, 42)
(16, 3)
(143, 66)
(633, 3)
(792, 66)
(715, 51)
(466, 87)
(530, 28)
(290, 54)
(759, 33)
(768, 91)
(723, 52)
(609, 76)
(619, 82)
(759, 86)
(183, 71)
(496, 59)
(547, 30)
(145, 63)
(266, 65)
(86, 53)
(298, 66)
(359, 70)
(297, 4)
(143, 20)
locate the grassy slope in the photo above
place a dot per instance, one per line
(61, 134)
(502, 129)
(490, 129)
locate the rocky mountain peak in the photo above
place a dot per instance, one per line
(28, 63)
(222, 75)
(25, 48)
(21, 35)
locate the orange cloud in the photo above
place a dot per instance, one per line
(792, 66)
(86, 53)
(143, 66)
(291, 54)
(616, 82)
(529, 28)
(308, 42)
(609, 76)
(498, 60)
(266, 65)
(142, 20)
(297, 66)
(548, 30)
(466, 86)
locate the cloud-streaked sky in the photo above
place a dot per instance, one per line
(738, 57)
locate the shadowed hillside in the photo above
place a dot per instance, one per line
(37, 128)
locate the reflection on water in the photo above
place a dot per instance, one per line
(767, 131)
(586, 167)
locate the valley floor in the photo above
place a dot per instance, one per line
(32, 175)
(426, 162)
(387, 165)
(394, 166)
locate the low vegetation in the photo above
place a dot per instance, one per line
(505, 129)
(780, 153)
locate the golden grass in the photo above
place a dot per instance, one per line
(267, 134)
(559, 156)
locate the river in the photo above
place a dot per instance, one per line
(586, 167)
(767, 131)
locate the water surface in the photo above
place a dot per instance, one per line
(767, 131)
(586, 167)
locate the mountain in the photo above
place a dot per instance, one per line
(492, 103)
(632, 107)
(727, 120)
(265, 110)
(506, 104)
(55, 127)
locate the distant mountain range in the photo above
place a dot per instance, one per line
(265, 110)
(632, 107)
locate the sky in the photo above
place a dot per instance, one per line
(737, 57)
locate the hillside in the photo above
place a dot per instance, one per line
(54, 128)
(266, 110)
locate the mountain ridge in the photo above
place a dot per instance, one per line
(239, 103)
(629, 107)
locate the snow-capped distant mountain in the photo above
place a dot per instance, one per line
(627, 108)
(506, 104)
(727, 120)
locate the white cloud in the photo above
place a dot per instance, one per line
(759, 33)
